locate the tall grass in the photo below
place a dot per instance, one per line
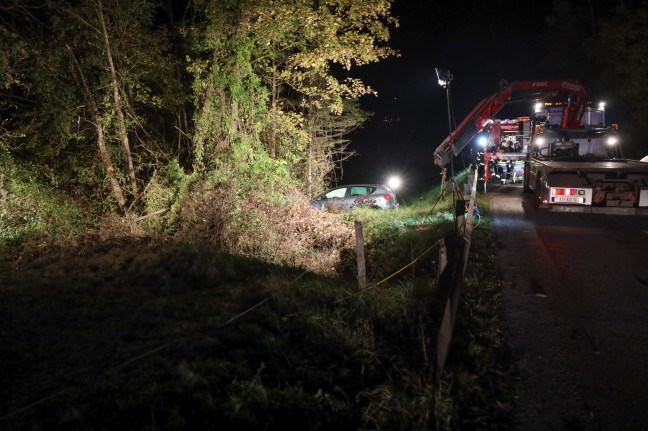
(32, 211)
(135, 333)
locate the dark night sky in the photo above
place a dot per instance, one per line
(480, 43)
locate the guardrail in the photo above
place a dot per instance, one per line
(452, 261)
(453, 258)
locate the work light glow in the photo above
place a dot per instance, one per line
(394, 182)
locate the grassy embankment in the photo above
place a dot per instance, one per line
(138, 334)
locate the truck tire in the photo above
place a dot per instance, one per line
(526, 188)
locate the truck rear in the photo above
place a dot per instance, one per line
(583, 169)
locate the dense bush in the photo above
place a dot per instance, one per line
(31, 211)
(258, 212)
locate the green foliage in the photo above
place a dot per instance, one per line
(299, 41)
(263, 73)
(255, 170)
(229, 97)
(165, 192)
(58, 70)
(30, 211)
(291, 140)
(266, 89)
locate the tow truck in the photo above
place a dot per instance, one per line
(564, 153)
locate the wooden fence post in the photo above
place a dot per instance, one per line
(442, 262)
(460, 212)
(443, 182)
(362, 271)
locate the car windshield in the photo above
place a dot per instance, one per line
(336, 193)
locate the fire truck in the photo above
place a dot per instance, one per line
(564, 153)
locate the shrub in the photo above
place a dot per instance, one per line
(253, 208)
(30, 210)
(165, 192)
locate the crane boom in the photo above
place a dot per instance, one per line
(480, 116)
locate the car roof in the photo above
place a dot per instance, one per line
(385, 186)
(359, 184)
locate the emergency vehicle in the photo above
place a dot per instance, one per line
(564, 153)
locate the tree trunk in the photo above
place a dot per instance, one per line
(101, 140)
(273, 113)
(121, 122)
(311, 151)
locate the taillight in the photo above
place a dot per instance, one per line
(388, 197)
(564, 192)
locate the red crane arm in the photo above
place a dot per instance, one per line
(524, 90)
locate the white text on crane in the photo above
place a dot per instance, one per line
(571, 86)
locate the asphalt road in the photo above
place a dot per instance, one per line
(576, 312)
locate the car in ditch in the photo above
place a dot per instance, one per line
(349, 197)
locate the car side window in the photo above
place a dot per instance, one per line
(359, 191)
(336, 193)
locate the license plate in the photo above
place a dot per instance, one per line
(568, 199)
(570, 209)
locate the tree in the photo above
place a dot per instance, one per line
(328, 145)
(306, 52)
(96, 76)
(288, 60)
